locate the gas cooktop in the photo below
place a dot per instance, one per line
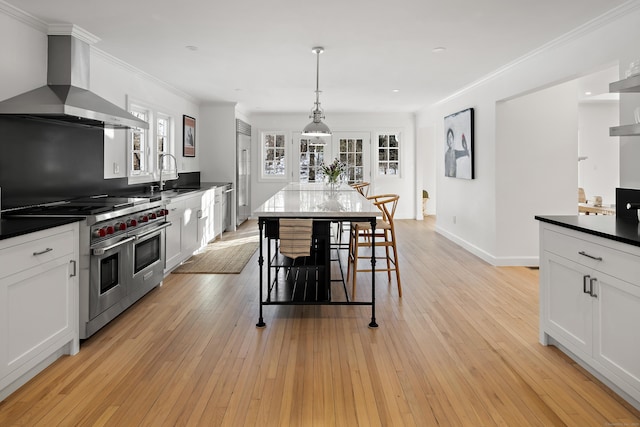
(83, 206)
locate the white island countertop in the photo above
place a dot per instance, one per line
(316, 200)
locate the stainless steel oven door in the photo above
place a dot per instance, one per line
(110, 270)
(148, 260)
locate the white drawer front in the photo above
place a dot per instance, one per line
(613, 262)
(36, 252)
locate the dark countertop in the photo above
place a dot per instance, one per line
(607, 226)
(14, 227)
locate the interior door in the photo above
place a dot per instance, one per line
(353, 149)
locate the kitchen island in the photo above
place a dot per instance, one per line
(590, 295)
(307, 280)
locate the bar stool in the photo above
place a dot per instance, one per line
(361, 187)
(385, 235)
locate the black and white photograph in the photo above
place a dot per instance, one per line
(458, 145)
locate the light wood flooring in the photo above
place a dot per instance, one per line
(459, 349)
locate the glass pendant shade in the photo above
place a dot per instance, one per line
(316, 127)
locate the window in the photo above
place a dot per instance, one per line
(139, 149)
(147, 145)
(388, 154)
(351, 153)
(164, 143)
(274, 155)
(312, 152)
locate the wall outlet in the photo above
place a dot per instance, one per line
(116, 168)
(454, 219)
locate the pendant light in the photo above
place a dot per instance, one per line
(316, 127)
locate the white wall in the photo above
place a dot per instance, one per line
(599, 174)
(24, 53)
(23, 42)
(218, 142)
(404, 185)
(116, 82)
(536, 167)
(474, 203)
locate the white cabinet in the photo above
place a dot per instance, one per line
(173, 235)
(590, 302)
(208, 217)
(38, 303)
(191, 218)
(191, 224)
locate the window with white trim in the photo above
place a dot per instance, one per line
(274, 155)
(388, 154)
(145, 146)
(139, 144)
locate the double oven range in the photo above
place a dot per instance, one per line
(122, 252)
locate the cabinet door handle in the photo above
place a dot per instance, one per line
(591, 287)
(42, 252)
(73, 269)
(597, 258)
(585, 278)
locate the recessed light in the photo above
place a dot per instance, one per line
(396, 90)
(587, 93)
(191, 47)
(438, 49)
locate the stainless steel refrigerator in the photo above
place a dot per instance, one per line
(243, 171)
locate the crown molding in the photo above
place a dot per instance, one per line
(63, 29)
(130, 68)
(23, 16)
(586, 28)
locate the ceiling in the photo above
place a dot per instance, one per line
(378, 54)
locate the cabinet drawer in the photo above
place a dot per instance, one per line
(595, 254)
(35, 252)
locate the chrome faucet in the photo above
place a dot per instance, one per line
(162, 156)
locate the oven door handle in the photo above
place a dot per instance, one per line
(146, 233)
(102, 250)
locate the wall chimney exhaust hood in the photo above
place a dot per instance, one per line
(67, 97)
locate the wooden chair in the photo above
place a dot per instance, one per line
(385, 237)
(582, 198)
(361, 187)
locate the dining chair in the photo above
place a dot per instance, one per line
(360, 237)
(361, 187)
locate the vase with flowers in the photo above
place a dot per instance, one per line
(334, 173)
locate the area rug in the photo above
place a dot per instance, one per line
(221, 257)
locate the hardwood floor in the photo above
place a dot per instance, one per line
(459, 349)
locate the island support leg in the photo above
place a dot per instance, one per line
(373, 323)
(260, 323)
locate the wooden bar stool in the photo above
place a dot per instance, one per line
(361, 187)
(385, 235)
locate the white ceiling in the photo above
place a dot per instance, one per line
(258, 52)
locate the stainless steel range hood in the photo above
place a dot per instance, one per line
(67, 97)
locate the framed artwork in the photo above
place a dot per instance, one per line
(188, 136)
(458, 145)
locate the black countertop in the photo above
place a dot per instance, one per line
(14, 227)
(608, 226)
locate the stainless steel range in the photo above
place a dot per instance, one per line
(122, 252)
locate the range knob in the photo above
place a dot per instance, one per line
(101, 232)
(120, 226)
(132, 222)
(144, 218)
(152, 215)
(110, 229)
